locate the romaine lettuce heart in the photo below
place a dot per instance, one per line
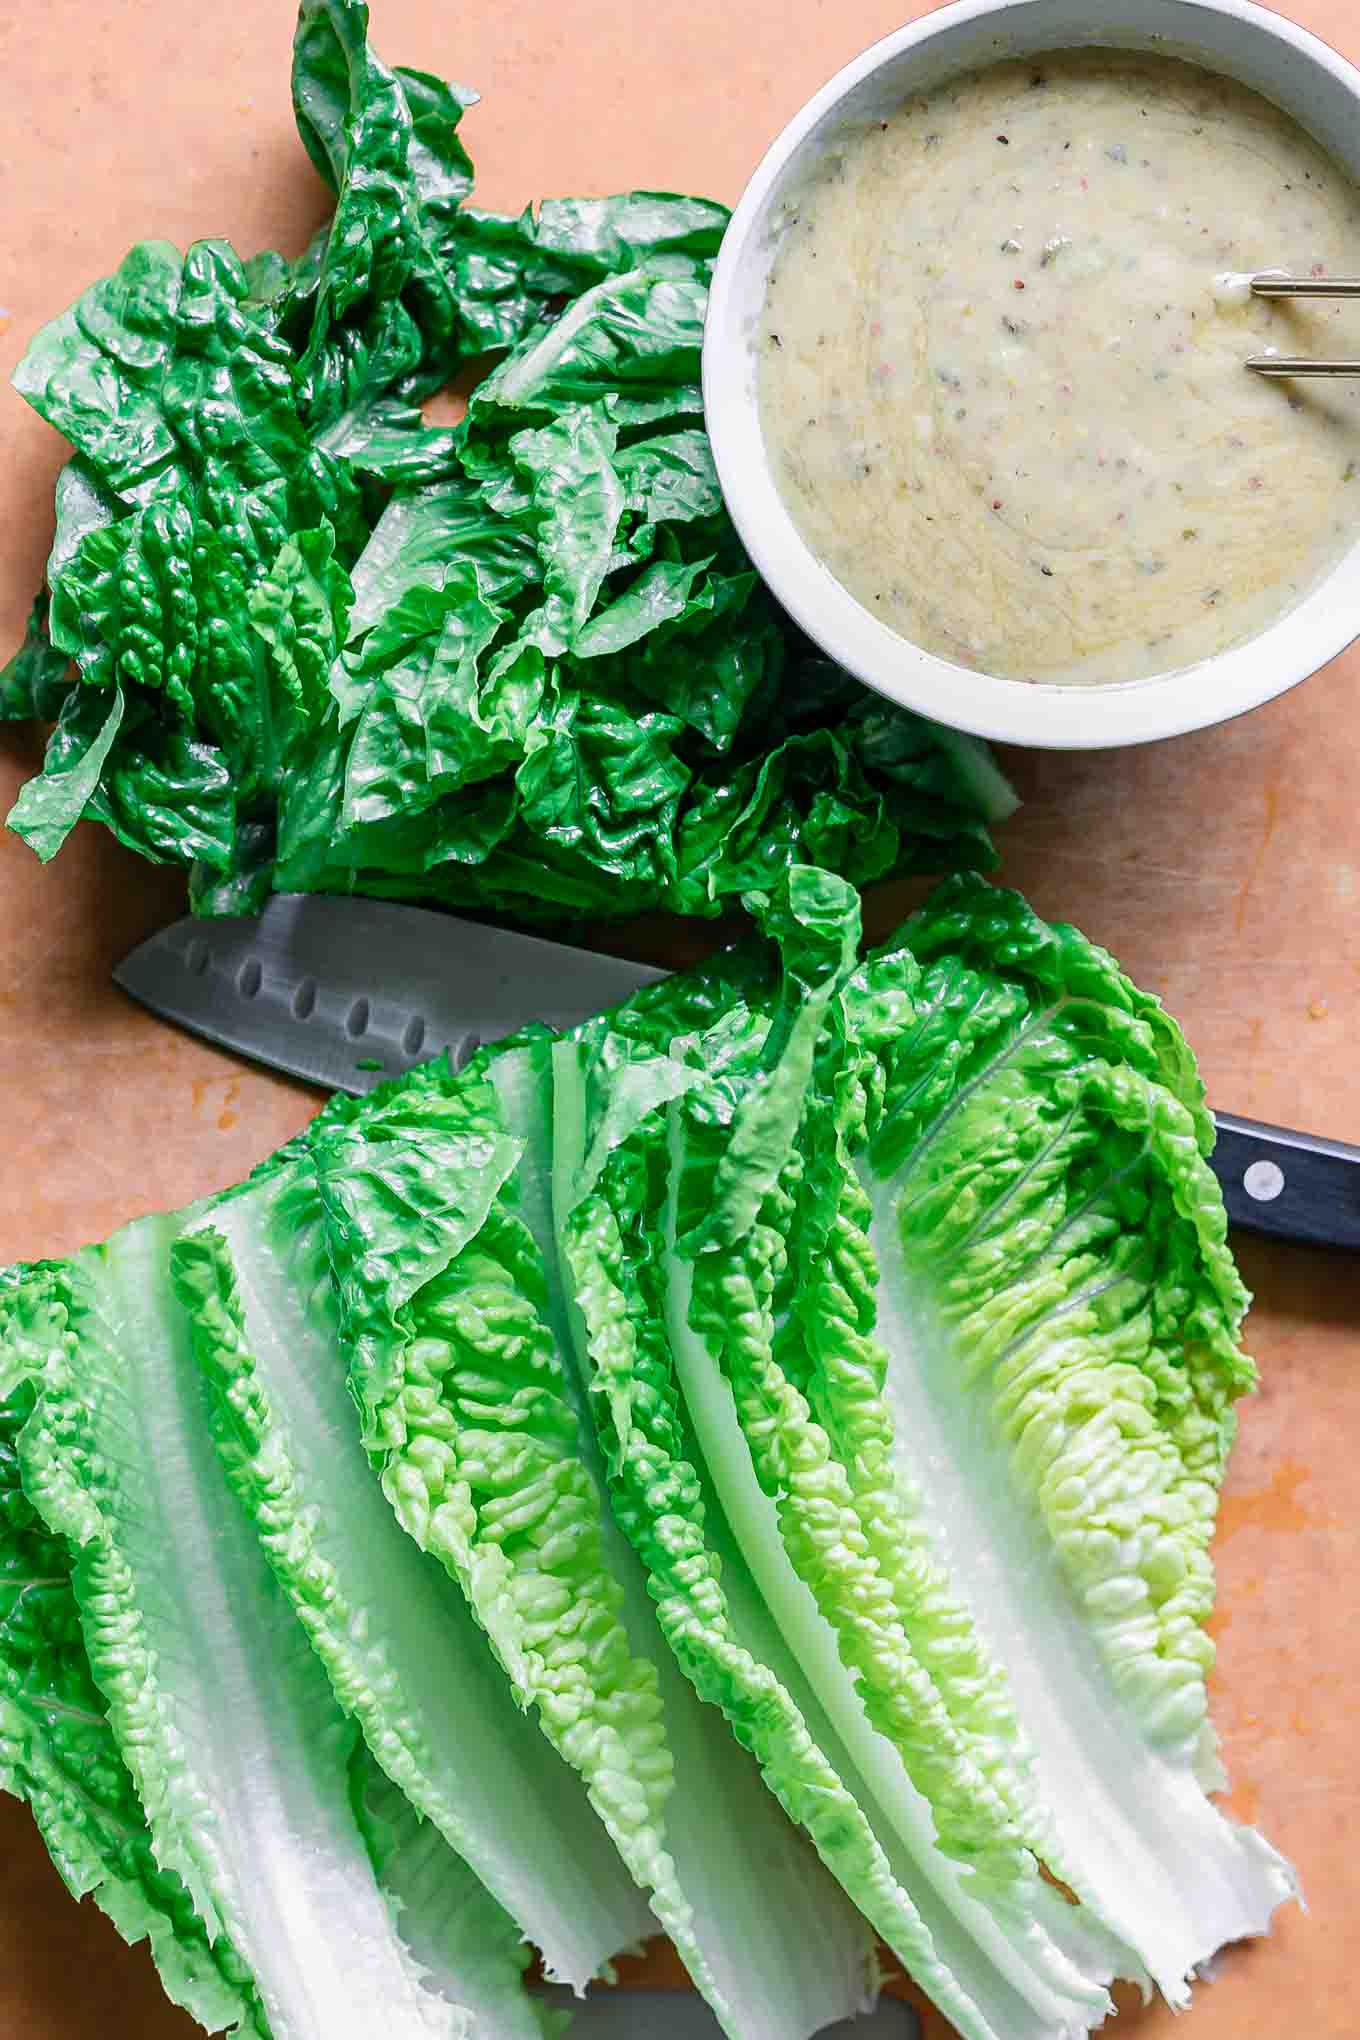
(950, 1340)
(817, 1361)
(481, 1440)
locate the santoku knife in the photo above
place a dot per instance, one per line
(345, 992)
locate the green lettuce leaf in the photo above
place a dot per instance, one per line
(425, 535)
(83, 505)
(512, 272)
(403, 1656)
(193, 475)
(211, 1689)
(511, 1514)
(452, 1927)
(49, 807)
(59, 1753)
(938, 1854)
(477, 1432)
(301, 610)
(1046, 1248)
(384, 313)
(633, 341)
(385, 437)
(709, 1606)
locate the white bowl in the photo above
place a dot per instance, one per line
(1258, 48)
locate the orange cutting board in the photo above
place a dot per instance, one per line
(1224, 869)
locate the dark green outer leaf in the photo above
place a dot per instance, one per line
(94, 372)
(670, 477)
(384, 311)
(634, 339)
(301, 610)
(49, 807)
(38, 678)
(384, 436)
(422, 534)
(441, 169)
(167, 797)
(83, 505)
(511, 272)
(659, 595)
(577, 503)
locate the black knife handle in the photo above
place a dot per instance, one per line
(1292, 1186)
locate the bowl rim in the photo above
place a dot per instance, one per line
(1050, 715)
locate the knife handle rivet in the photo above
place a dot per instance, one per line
(1264, 1181)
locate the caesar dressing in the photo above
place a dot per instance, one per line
(1001, 373)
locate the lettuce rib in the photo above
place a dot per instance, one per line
(463, 1942)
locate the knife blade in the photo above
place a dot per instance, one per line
(345, 992)
(677, 2015)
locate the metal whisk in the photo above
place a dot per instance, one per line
(1270, 285)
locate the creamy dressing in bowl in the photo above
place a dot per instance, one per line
(1001, 367)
